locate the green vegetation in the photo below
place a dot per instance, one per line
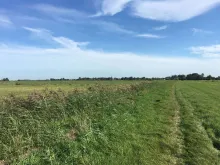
(200, 124)
(23, 88)
(111, 122)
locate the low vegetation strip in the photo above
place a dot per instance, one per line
(206, 103)
(162, 138)
(176, 130)
(198, 147)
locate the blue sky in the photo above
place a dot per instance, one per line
(77, 38)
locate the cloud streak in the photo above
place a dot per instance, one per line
(66, 15)
(37, 30)
(160, 28)
(154, 36)
(207, 51)
(112, 27)
(60, 13)
(53, 10)
(112, 7)
(200, 31)
(5, 21)
(47, 36)
(172, 10)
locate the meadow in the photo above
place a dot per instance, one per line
(110, 122)
(23, 88)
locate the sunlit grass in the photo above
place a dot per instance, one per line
(157, 123)
(23, 88)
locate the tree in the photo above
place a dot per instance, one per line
(5, 79)
(174, 77)
(202, 75)
(194, 76)
(182, 77)
(209, 77)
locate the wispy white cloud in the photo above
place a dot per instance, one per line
(70, 60)
(39, 33)
(66, 15)
(37, 30)
(112, 7)
(62, 41)
(160, 28)
(27, 18)
(60, 13)
(206, 51)
(96, 15)
(154, 36)
(68, 43)
(112, 27)
(54, 10)
(5, 21)
(201, 31)
(172, 10)
(76, 62)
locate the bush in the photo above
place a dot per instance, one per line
(17, 83)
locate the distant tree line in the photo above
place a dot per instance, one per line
(193, 76)
(107, 78)
(5, 79)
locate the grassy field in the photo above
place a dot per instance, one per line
(22, 88)
(110, 122)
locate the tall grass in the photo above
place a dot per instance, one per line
(65, 128)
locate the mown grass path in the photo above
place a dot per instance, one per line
(157, 126)
(177, 133)
(198, 146)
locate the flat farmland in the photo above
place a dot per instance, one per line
(23, 88)
(110, 122)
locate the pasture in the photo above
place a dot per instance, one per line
(22, 88)
(110, 122)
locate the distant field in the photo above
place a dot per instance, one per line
(25, 87)
(111, 122)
